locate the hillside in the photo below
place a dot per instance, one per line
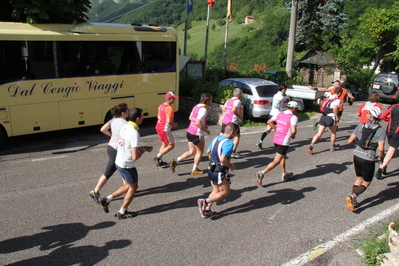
(247, 46)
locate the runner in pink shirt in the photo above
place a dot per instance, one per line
(285, 125)
(195, 134)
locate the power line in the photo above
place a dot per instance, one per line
(130, 11)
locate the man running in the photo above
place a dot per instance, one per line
(220, 150)
(164, 126)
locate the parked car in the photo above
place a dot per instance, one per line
(258, 95)
(387, 86)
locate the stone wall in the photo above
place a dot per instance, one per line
(215, 113)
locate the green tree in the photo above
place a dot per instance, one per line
(319, 24)
(44, 11)
(379, 31)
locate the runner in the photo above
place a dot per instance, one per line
(195, 134)
(164, 126)
(369, 139)
(233, 114)
(220, 150)
(285, 125)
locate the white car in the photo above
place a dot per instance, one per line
(258, 95)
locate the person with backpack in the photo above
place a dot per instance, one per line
(362, 112)
(391, 115)
(220, 150)
(369, 139)
(329, 108)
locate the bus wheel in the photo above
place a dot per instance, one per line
(3, 136)
(108, 117)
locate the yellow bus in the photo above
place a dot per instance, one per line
(60, 76)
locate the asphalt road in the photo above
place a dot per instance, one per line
(48, 218)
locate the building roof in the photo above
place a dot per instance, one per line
(317, 58)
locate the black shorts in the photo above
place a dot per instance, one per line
(393, 139)
(364, 168)
(224, 126)
(340, 113)
(195, 139)
(326, 121)
(281, 149)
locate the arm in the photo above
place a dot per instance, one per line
(138, 151)
(105, 129)
(293, 131)
(385, 114)
(335, 109)
(225, 161)
(236, 112)
(170, 117)
(199, 124)
(352, 139)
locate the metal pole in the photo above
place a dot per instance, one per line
(206, 37)
(291, 40)
(185, 32)
(226, 36)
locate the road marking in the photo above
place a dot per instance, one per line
(321, 249)
(49, 158)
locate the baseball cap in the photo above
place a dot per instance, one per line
(375, 111)
(336, 80)
(170, 95)
(292, 104)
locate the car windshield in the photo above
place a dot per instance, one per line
(266, 91)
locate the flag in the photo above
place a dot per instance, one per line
(189, 6)
(211, 3)
(229, 9)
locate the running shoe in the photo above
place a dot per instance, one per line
(310, 149)
(201, 206)
(335, 147)
(197, 172)
(315, 125)
(259, 144)
(259, 177)
(173, 165)
(105, 204)
(159, 162)
(378, 174)
(95, 196)
(384, 171)
(286, 176)
(125, 215)
(350, 203)
(209, 214)
(235, 155)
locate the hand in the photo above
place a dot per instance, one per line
(232, 167)
(207, 132)
(150, 148)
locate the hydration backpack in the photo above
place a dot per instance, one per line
(325, 106)
(367, 135)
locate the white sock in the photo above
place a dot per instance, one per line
(159, 155)
(109, 198)
(195, 167)
(178, 160)
(122, 210)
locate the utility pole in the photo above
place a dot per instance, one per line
(291, 39)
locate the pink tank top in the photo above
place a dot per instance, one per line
(193, 128)
(229, 116)
(283, 131)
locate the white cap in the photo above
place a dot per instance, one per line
(292, 104)
(375, 111)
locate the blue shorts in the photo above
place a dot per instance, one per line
(129, 174)
(217, 177)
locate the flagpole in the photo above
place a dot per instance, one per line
(185, 31)
(206, 38)
(226, 36)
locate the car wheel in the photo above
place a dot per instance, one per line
(388, 88)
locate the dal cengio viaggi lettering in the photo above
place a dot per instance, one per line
(48, 88)
(107, 87)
